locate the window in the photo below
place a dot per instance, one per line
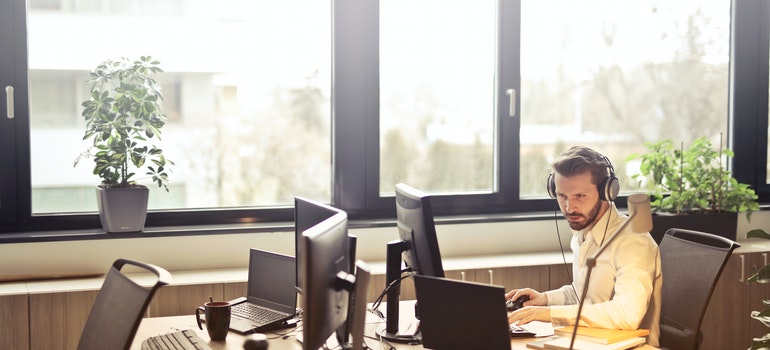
(437, 88)
(246, 93)
(616, 74)
(417, 92)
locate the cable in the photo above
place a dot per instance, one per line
(561, 247)
(394, 283)
(608, 223)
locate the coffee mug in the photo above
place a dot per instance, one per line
(217, 316)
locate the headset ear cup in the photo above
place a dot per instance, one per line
(610, 188)
(550, 186)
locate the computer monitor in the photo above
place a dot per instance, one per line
(326, 279)
(417, 246)
(308, 213)
(414, 217)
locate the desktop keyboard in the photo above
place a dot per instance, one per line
(179, 340)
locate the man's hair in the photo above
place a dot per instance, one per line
(580, 159)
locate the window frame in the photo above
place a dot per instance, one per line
(355, 139)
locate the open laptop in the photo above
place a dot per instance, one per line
(270, 292)
(461, 315)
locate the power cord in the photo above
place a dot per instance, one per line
(395, 283)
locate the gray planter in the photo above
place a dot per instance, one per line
(122, 209)
(723, 224)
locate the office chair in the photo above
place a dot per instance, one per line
(691, 263)
(119, 307)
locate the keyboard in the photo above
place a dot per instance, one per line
(256, 314)
(520, 332)
(180, 340)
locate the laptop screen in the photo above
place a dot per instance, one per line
(272, 280)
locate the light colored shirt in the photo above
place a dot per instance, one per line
(625, 287)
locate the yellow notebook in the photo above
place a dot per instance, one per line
(600, 335)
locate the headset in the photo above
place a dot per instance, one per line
(608, 189)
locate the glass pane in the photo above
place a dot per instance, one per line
(437, 79)
(246, 91)
(614, 74)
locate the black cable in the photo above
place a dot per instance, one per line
(393, 284)
(607, 225)
(561, 247)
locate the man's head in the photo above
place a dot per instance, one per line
(583, 182)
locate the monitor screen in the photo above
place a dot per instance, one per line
(324, 269)
(416, 228)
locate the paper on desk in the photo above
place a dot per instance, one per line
(541, 329)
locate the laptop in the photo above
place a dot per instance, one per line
(461, 315)
(271, 292)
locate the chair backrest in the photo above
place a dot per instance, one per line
(691, 263)
(119, 307)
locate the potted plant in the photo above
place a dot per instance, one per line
(761, 276)
(687, 183)
(124, 119)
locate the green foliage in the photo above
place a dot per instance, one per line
(123, 118)
(761, 276)
(692, 179)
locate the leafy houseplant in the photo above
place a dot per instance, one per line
(761, 276)
(123, 119)
(691, 181)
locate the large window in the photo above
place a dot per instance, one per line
(246, 91)
(616, 74)
(339, 100)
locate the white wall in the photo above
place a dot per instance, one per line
(86, 257)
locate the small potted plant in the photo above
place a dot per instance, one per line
(687, 183)
(124, 120)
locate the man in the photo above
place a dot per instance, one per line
(624, 290)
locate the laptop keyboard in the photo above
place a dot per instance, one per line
(180, 340)
(256, 314)
(519, 332)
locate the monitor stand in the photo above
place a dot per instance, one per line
(392, 274)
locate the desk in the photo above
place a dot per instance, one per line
(283, 339)
(159, 325)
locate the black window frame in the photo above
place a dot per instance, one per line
(355, 139)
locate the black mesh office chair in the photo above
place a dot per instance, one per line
(119, 307)
(691, 262)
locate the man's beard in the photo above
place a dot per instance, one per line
(590, 218)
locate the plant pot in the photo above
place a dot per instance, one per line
(723, 224)
(122, 209)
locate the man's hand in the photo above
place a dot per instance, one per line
(535, 298)
(534, 309)
(528, 314)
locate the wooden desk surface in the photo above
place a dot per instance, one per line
(284, 339)
(281, 340)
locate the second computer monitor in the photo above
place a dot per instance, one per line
(414, 217)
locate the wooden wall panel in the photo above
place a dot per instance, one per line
(57, 319)
(14, 318)
(182, 300)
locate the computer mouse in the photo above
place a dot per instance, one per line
(256, 341)
(513, 305)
